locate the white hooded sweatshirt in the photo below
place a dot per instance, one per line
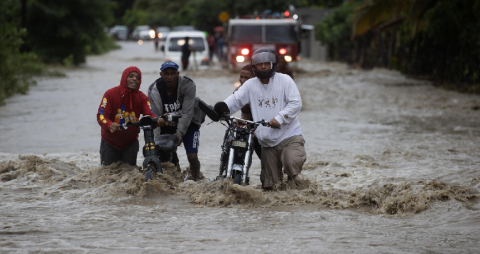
(280, 99)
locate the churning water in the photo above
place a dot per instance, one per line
(392, 167)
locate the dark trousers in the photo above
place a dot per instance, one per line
(185, 64)
(109, 155)
(175, 159)
(257, 147)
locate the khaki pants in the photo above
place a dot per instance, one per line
(290, 154)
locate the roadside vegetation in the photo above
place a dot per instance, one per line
(67, 31)
(35, 34)
(16, 67)
(433, 39)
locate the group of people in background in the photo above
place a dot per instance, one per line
(264, 94)
(216, 43)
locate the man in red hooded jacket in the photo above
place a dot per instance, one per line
(119, 105)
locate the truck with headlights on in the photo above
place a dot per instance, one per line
(244, 36)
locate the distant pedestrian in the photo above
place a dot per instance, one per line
(220, 43)
(186, 51)
(211, 46)
(156, 40)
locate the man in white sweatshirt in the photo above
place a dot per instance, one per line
(275, 98)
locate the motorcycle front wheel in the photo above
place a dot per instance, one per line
(223, 163)
(149, 172)
(237, 179)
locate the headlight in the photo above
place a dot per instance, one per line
(288, 58)
(240, 144)
(152, 34)
(240, 59)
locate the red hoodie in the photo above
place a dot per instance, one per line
(121, 104)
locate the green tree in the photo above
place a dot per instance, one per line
(15, 67)
(184, 16)
(431, 38)
(205, 17)
(61, 30)
(442, 34)
(335, 30)
(119, 9)
(133, 18)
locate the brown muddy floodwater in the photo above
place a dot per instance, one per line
(393, 167)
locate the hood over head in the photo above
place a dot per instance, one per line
(123, 81)
(133, 94)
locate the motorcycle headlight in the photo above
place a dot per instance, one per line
(240, 144)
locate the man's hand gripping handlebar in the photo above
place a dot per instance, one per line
(248, 122)
(147, 120)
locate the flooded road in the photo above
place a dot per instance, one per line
(393, 166)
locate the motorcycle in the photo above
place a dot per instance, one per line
(237, 146)
(155, 154)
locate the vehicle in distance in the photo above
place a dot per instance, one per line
(119, 32)
(163, 32)
(143, 33)
(198, 42)
(280, 35)
(184, 28)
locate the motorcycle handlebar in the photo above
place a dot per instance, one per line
(147, 120)
(262, 122)
(171, 117)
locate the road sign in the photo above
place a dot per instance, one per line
(223, 16)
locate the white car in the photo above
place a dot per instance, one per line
(173, 48)
(119, 32)
(163, 32)
(143, 33)
(146, 34)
